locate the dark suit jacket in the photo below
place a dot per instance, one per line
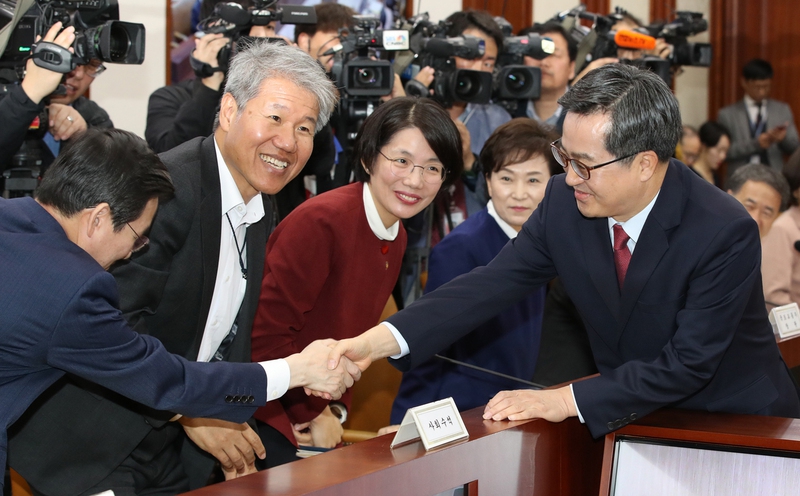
(689, 329)
(165, 291)
(59, 313)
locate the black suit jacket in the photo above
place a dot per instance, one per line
(689, 329)
(78, 435)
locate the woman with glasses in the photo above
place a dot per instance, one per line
(332, 263)
(518, 165)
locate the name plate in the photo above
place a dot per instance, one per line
(435, 423)
(785, 320)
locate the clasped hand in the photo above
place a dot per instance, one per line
(309, 369)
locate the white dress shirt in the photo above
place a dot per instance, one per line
(230, 285)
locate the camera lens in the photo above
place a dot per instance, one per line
(120, 43)
(466, 86)
(517, 82)
(367, 76)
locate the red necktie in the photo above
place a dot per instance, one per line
(622, 256)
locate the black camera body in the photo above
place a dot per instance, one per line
(358, 70)
(99, 34)
(675, 33)
(432, 48)
(514, 82)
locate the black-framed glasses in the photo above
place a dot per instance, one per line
(582, 170)
(140, 242)
(94, 68)
(402, 167)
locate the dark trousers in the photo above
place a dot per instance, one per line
(279, 449)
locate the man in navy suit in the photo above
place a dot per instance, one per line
(59, 306)
(663, 268)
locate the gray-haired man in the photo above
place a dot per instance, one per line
(195, 288)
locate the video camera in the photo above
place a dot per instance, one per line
(432, 48)
(675, 33)
(99, 34)
(234, 22)
(514, 82)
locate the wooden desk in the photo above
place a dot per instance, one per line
(532, 457)
(790, 350)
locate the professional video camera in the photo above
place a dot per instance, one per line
(675, 33)
(514, 82)
(234, 21)
(432, 48)
(99, 34)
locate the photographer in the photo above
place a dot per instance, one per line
(69, 114)
(557, 70)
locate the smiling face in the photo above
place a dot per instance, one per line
(619, 190)
(517, 189)
(403, 197)
(266, 144)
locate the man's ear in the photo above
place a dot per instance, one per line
(227, 111)
(96, 219)
(647, 164)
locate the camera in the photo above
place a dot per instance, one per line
(675, 33)
(234, 22)
(99, 34)
(432, 48)
(514, 82)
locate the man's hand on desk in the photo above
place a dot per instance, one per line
(309, 369)
(552, 404)
(234, 445)
(325, 431)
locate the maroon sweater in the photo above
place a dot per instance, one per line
(326, 275)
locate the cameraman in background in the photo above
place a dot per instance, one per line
(557, 71)
(69, 114)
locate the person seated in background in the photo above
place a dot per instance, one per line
(518, 165)
(714, 144)
(689, 148)
(332, 263)
(763, 191)
(762, 129)
(780, 253)
(557, 70)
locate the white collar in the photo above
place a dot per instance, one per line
(231, 197)
(750, 103)
(505, 226)
(633, 226)
(374, 218)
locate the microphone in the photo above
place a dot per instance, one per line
(797, 245)
(625, 38)
(492, 372)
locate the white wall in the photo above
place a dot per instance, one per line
(691, 87)
(123, 90)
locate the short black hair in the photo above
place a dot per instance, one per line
(711, 132)
(791, 171)
(106, 165)
(331, 17)
(644, 113)
(554, 27)
(398, 114)
(757, 69)
(760, 174)
(516, 141)
(477, 19)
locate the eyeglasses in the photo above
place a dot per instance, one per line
(402, 167)
(141, 241)
(582, 170)
(94, 68)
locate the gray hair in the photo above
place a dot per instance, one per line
(261, 61)
(761, 174)
(644, 113)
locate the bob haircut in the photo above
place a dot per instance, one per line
(711, 132)
(106, 165)
(398, 114)
(518, 140)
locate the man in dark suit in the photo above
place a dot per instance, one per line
(58, 305)
(663, 267)
(195, 289)
(762, 129)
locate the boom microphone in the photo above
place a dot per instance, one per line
(625, 38)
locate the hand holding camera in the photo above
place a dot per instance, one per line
(40, 82)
